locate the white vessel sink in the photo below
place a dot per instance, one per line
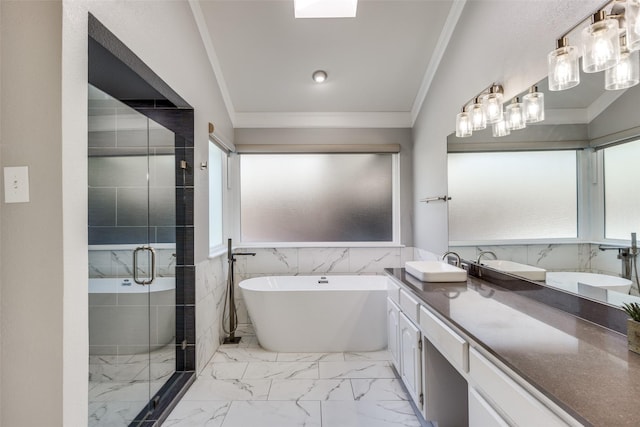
(523, 270)
(435, 271)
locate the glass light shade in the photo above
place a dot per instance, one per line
(515, 116)
(500, 129)
(478, 119)
(492, 105)
(564, 71)
(533, 105)
(625, 73)
(464, 126)
(632, 19)
(601, 46)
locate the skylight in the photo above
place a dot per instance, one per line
(325, 8)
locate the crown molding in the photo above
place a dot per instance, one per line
(324, 120)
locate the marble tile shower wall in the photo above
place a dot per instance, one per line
(584, 257)
(119, 263)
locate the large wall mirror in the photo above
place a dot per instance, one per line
(561, 196)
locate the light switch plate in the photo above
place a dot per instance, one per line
(16, 184)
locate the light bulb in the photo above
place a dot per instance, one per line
(625, 73)
(500, 129)
(492, 104)
(464, 126)
(564, 72)
(601, 44)
(533, 105)
(319, 76)
(478, 119)
(515, 115)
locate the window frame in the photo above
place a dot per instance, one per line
(235, 175)
(218, 248)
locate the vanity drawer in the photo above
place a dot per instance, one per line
(513, 400)
(450, 344)
(409, 306)
(393, 291)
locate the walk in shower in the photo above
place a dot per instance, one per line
(140, 238)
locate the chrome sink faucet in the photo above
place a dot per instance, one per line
(486, 253)
(458, 260)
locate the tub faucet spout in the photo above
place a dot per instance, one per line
(486, 253)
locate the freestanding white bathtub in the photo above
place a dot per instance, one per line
(575, 281)
(305, 314)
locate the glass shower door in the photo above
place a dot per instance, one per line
(132, 258)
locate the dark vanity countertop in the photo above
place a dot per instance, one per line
(584, 368)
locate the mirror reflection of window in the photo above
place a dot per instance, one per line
(621, 190)
(513, 195)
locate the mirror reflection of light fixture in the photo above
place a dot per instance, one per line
(564, 71)
(514, 115)
(500, 129)
(601, 43)
(464, 127)
(632, 24)
(319, 76)
(478, 119)
(626, 72)
(325, 8)
(492, 104)
(533, 105)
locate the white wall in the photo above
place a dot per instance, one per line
(44, 242)
(502, 41)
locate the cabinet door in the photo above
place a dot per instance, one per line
(393, 328)
(481, 414)
(411, 358)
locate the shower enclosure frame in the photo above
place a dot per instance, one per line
(115, 69)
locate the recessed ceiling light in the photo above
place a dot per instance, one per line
(319, 76)
(325, 8)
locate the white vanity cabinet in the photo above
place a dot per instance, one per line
(393, 332)
(481, 414)
(411, 358)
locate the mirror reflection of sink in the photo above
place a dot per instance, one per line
(435, 271)
(523, 270)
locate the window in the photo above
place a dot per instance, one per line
(217, 170)
(513, 195)
(621, 190)
(317, 197)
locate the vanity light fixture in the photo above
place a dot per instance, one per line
(632, 24)
(601, 43)
(533, 105)
(464, 126)
(626, 72)
(478, 118)
(515, 115)
(564, 71)
(319, 76)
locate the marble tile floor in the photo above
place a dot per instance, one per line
(120, 386)
(246, 386)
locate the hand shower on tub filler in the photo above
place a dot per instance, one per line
(230, 303)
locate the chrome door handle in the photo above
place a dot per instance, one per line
(135, 265)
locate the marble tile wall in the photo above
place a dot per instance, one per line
(119, 263)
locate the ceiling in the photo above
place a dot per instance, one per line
(379, 64)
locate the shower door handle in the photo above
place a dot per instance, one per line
(135, 265)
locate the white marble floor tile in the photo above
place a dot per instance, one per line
(198, 414)
(356, 369)
(119, 392)
(311, 390)
(273, 414)
(368, 355)
(288, 370)
(378, 389)
(310, 357)
(207, 389)
(113, 414)
(224, 370)
(237, 354)
(368, 414)
(249, 341)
